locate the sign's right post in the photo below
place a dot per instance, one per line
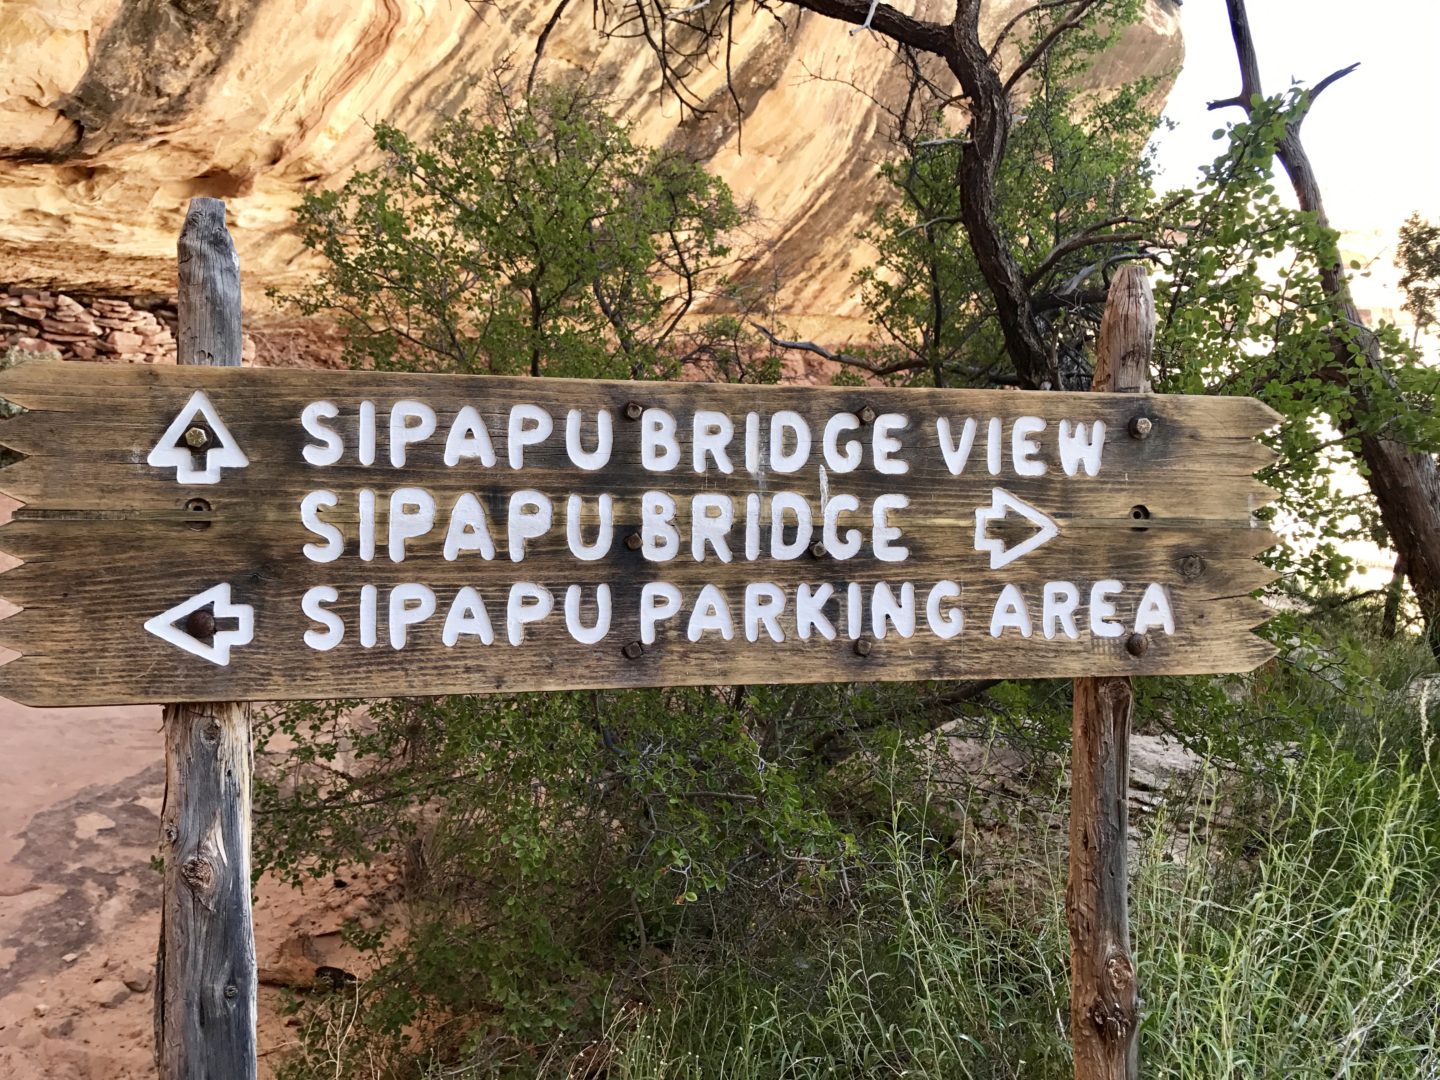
(1104, 997)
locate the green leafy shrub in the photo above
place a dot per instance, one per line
(535, 238)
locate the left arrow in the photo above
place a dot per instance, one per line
(191, 634)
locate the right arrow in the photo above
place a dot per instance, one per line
(1001, 503)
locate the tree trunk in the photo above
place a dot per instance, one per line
(979, 168)
(205, 971)
(1394, 594)
(1104, 995)
(1405, 482)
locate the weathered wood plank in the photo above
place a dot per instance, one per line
(1212, 635)
(44, 680)
(116, 420)
(205, 990)
(1205, 563)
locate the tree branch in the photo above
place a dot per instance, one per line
(1072, 21)
(540, 44)
(1088, 238)
(930, 37)
(881, 370)
(1033, 9)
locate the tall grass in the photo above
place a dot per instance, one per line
(1318, 956)
(1305, 946)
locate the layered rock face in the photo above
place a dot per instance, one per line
(113, 113)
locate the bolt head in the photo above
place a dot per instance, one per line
(197, 438)
(1192, 566)
(633, 409)
(633, 541)
(201, 624)
(866, 415)
(863, 646)
(633, 651)
(1141, 427)
(1137, 644)
(817, 550)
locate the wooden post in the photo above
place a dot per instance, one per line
(1104, 1000)
(205, 972)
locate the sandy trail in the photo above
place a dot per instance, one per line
(80, 793)
(80, 798)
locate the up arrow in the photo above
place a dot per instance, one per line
(195, 628)
(197, 444)
(1001, 503)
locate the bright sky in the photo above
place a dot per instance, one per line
(1374, 136)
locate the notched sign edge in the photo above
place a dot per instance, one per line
(18, 384)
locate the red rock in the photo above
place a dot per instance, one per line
(107, 993)
(60, 329)
(123, 340)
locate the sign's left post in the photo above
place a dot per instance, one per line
(205, 982)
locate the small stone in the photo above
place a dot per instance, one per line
(37, 346)
(70, 957)
(41, 1008)
(137, 977)
(28, 1037)
(59, 1029)
(107, 993)
(123, 340)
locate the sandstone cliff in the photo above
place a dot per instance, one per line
(113, 113)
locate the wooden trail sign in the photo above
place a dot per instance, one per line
(194, 533)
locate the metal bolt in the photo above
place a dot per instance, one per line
(633, 651)
(232, 992)
(866, 415)
(1192, 566)
(1137, 644)
(817, 550)
(1141, 427)
(201, 623)
(197, 438)
(633, 409)
(633, 541)
(863, 646)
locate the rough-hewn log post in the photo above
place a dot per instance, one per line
(1104, 999)
(205, 980)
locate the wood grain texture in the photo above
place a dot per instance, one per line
(205, 989)
(1192, 475)
(1104, 990)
